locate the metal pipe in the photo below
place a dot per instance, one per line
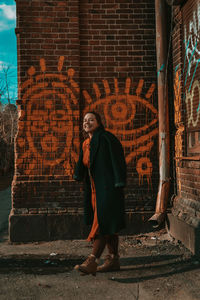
(163, 114)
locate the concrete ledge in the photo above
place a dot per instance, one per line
(43, 227)
(187, 234)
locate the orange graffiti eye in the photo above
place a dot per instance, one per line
(131, 117)
(119, 110)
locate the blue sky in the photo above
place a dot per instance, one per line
(8, 50)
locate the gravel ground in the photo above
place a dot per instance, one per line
(153, 266)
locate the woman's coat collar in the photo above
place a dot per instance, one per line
(94, 144)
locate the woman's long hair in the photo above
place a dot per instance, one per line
(99, 121)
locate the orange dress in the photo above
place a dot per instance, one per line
(86, 161)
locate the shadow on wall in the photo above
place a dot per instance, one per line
(5, 207)
(8, 129)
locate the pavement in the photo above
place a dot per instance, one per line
(153, 266)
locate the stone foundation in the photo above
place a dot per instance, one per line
(188, 234)
(47, 227)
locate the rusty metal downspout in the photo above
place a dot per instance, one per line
(163, 114)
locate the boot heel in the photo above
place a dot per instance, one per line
(89, 266)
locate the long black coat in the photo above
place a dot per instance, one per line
(108, 170)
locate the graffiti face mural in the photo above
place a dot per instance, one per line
(48, 136)
(50, 131)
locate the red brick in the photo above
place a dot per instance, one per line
(99, 40)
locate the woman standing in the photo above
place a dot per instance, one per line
(102, 167)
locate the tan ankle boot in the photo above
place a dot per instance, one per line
(111, 263)
(89, 266)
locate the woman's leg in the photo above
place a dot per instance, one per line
(99, 245)
(111, 262)
(112, 242)
(89, 266)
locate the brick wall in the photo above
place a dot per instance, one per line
(178, 93)
(75, 56)
(186, 205)
(117, 50)
(48, 130)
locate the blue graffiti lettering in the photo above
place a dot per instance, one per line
(190, 62)
(194, 74)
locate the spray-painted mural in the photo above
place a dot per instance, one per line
(191, 68)
(187, 86)
(121, 112)
(48, 135)
(191, 41)
(193, 112)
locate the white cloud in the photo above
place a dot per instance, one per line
(9, 11)
(7, 17)
(5, 26)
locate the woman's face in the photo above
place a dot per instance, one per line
(90, 123)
